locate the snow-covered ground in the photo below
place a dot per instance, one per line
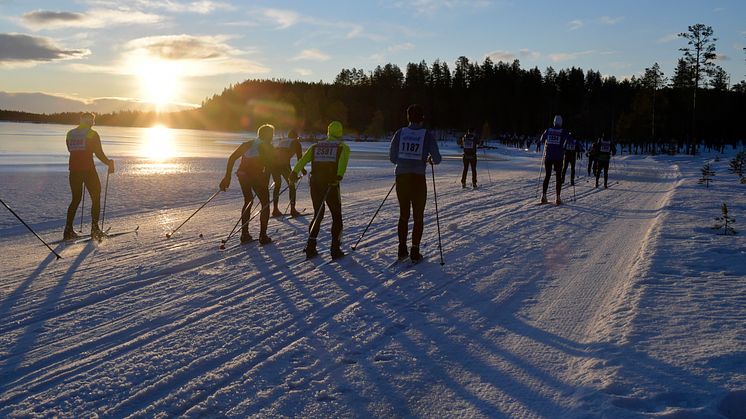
(621, 303)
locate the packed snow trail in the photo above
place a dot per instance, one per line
(539, 311)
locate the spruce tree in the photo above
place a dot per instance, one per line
(707, 175)
(725, 222)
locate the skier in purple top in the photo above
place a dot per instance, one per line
(554, 141)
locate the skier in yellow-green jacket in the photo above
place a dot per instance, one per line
(328, 160)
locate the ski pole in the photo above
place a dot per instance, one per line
(374, 216)
(489, 174)
(251, 217)
(235, 226)
(541, 170)
(321, 208)
(30, 229)
(82, 209)
(573, 193)
(437, 216)
(106, 192)
(168, 235)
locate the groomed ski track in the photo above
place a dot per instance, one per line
(533, 315)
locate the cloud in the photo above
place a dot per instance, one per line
(186, 55)
(20, 50)
(311, 54)
(431, 7)
(199, 6)
(568, 56)
(283, 18)
(401, 47)
(721, 57)
(53, 103)
(532, 55)
(303, 72)
(94, 18)
(608, 20)
(575, 24)
(667, 38)
(505, 56)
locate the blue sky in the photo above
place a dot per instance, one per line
(185, 50)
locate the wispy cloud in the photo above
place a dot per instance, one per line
(20, 50)
(575, 24)
(283, 18)
(532, 55)
(667, 38)
(95, 18)
(311, 54)
(608, 20)
(189, 55)
(431, 7)
(569, 56)
(499, 55)
(721, 57)
(199, 6)
(304, 72)
(406, 46)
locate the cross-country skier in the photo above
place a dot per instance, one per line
(82, 143)
(554, 139)
(253, 176)
(606, 149)
(285, 149)
(469, 143)
(573, 148)
(410, 149)
(592, 154)
(328, 160)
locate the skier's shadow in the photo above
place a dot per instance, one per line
(46, 310)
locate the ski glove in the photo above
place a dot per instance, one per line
(111, 166)
(225, 183)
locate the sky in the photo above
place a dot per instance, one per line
(103, 54)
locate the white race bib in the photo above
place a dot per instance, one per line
(468, 143)
(570, 146)
(411, 144)
(553, 139)
(76, 144)
(252, 151)
(605, 147)
(325, 151)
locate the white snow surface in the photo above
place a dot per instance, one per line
(621, 303)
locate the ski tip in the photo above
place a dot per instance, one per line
(168, 235)
(222, 247)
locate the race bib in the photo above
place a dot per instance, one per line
(605, 147)
(468, 143)
(570, 146)
(554, 139)
(252, 151)
(411, 144)
(325, 152)
(76, 144)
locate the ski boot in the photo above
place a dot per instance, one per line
(544, 198)
(69, 234)
(264, 239)
(415, 254)
(97, 234)
(337, 253)
(310, 249)
(474, 185)
(294, 212)
(403, 252)
(558, 201)
(276, 212)
(246, 237)
(463, 185)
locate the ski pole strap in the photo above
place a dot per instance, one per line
(374, 216)
(30, 229)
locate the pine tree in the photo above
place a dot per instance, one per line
(725, 222)
(700, 56)
(737, 164)
(707, 175)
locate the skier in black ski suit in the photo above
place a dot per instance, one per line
(469, 142)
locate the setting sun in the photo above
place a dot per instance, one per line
(159, 82)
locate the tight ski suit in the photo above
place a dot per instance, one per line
(328, 165)
(554, 140)
(285, 149)
(605, 150)
(469, 143)
(572, 148)
(82, 143)
(409, 150)
(253, 176)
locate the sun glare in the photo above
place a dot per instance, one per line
(159, 82)
(158, 144)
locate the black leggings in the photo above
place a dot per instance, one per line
(93, 185)
(334, 201)
(548, 165)
(277, 175)
(569, 161)
(411, 190)
(602, 165)
(470, 161)
(249, 187)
